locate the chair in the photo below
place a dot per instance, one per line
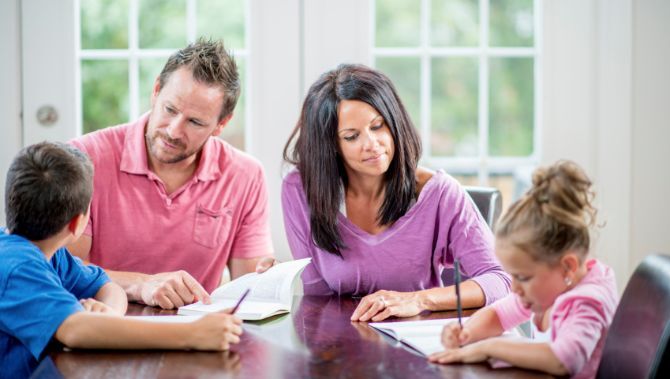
(489, 203)
(637, 342)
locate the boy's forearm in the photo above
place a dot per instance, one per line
(93, 331)
(114, 296)
(524, 354)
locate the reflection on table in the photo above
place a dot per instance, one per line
(316, 340)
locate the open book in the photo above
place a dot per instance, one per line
(425, 336)
(271, 293)
(422, 336)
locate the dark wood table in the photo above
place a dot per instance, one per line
(316, 340)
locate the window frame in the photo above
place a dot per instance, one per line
(133, 54)
(483, 165)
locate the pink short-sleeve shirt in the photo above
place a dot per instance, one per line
(220, 213)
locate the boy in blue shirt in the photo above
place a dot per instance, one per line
(46, 293)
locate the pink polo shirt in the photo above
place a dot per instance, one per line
(220, 213)
(579, 318)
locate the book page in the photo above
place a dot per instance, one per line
(273, 286)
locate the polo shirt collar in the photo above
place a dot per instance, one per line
(134, 158)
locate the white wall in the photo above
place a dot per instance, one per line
(650, 196)
(10, 91)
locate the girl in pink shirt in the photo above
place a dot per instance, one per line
(543, 243)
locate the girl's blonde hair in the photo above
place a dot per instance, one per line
(555, 215)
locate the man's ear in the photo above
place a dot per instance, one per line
(155, 91)
(221, 124)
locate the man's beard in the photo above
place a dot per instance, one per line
(153, 148)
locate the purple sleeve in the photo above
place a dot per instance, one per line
(471, 241)
(298, 234)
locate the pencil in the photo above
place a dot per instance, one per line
(232, 312)
(457, 283)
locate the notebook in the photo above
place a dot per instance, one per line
(422, 336)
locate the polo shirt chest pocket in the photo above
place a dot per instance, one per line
(211, 225)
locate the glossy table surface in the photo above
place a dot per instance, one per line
(316, 340)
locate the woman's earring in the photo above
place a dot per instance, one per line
(568, 281)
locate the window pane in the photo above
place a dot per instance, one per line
(104, 93)
(162, 24)
(470, 179)
(510, 185)
(511, 107)
(454, 23)
(104, 24)
(150, 68)
(223, 19)
(511, 22)
(454, 107)
(397, 23)
(406, 77)
(234, 131)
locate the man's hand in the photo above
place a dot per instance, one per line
(172, 290)
(95, 306)
(264, 264)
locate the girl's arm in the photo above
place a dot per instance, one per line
(113, 296)
(529, 355)
(214, 331)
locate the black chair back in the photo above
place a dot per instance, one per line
(637, 341)
(489, 203)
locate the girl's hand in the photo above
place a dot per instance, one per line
(95, 306)
(216, 331)
(384, 304)
(454, 336)
(474, 353)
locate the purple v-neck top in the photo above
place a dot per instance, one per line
(442, 225)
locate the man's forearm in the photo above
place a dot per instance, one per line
(130, 282)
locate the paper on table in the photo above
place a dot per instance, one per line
(422, 336)
(177, 319)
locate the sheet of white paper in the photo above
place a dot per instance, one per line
(177, 319)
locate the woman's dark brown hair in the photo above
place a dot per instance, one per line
(315, 151)
(554, 216)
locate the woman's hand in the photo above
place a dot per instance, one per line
(474, 353)
(384, 304)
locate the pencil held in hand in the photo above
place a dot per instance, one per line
(232, 311)
(457, 284)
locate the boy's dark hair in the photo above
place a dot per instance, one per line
(47, 185)
(210, 64)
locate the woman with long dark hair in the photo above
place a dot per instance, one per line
(375, 223)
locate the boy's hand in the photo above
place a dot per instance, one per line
(454, 336)
(95, 306)
(216, 331)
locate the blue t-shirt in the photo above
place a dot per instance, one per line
(37, 295)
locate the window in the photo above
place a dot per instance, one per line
(467, 72)
(123, 45)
